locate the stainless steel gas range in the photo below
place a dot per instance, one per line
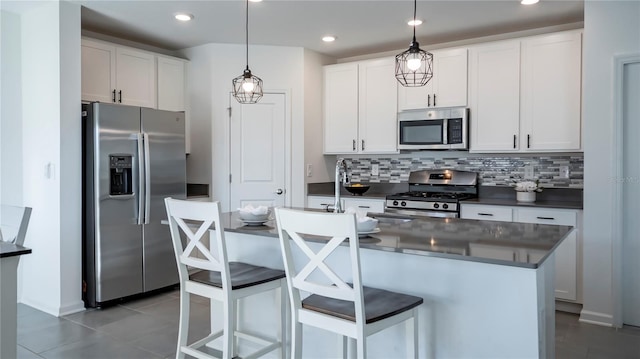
(434, 193)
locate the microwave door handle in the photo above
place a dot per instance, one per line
(444, 132)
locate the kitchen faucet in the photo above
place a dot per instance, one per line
(341, 168)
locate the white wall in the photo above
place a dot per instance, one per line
(51, 276)
(212, 68)
(322, 170)
(11, 110)
(611, 27)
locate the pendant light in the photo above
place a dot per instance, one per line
(414, 67)
(247, 88)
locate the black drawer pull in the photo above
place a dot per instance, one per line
(485, 214)
(547, 218)
(364, 207)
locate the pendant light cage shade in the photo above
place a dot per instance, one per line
(247, 88)
(407, 74)
(414, 67)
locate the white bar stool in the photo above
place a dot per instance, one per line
(350, 310)
(218, 279)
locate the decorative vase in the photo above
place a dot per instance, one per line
(526, 196)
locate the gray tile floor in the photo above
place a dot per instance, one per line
(148, 328)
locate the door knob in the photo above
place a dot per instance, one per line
(279, 191)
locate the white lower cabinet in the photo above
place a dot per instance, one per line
(568, 259)
(371, 205)
(364, 204)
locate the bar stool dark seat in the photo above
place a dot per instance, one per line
(349, 309)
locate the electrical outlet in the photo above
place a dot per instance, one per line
(309, 170)
(564, 171)
(528, 172)
(375, 169)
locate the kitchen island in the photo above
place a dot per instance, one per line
(9, 258)
(487, 286)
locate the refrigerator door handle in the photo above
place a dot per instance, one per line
(141, 183)
(147, 179)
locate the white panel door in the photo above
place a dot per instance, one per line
(98, 71)
(258, 152)
(631, 196)
(135, 78)
(450, 75)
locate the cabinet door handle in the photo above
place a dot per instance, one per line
(354, 145)
(429, 100)
(120, 96)
(434, 99)
(485, 214)
(547, 218)
(528, 141)
(514, 141)
(363, 145)
(364, 207)
(114, 95)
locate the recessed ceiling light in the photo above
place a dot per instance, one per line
(528, 2)
(415, 22)
(184, 17)
(329, 38)
(255, 0)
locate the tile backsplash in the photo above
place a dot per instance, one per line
(493, 170)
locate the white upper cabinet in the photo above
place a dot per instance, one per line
(525, 94)
(377, 107)
(98, 71)
(341, 108)
(171, 84)
(360, 107)
(550, 92)
(494, 100)
(447, 88)
(135, 77)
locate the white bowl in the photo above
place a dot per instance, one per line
(367, 225)
(248, 216)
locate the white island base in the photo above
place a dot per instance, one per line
(470, 310)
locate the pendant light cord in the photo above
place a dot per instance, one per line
(247, 34)
(415, 6)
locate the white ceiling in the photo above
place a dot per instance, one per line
(361, 26)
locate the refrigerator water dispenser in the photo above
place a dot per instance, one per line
(120, 176)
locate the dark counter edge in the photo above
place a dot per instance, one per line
(567, 198)
(12, 250)
(265, 232)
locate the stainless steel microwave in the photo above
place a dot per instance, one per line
(438, 129)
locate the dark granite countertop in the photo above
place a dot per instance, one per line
(527, 245)
(12, 250)
(567, 198)
(513, 202)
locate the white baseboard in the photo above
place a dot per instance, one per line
(568, 307)
(55, 311)
(603, 319)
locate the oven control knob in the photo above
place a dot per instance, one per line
(435, 205)
(403, 204)
(395, 203)
(445, 206)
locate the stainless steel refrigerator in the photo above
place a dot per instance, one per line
(133, 158)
